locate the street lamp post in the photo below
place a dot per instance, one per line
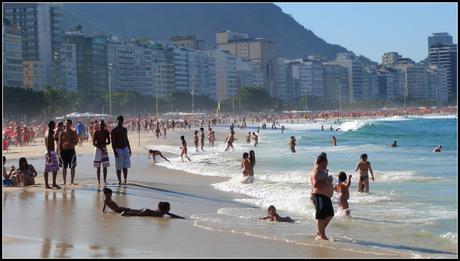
(340, 99)
(233, 98)
(436, 96)
(110, 89)
(55, 54)
(155, 80)
(193, 92)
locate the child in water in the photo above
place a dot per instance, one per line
(110, 203)
(273, 216)
(246, 169)
(344, 193)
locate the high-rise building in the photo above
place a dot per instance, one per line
(181, 82)
(390, 58)
(445, 55)
(92, 66)
(437, 82)
(439, 38)
(225, 74)
(281, 78)
(163, 68)
(188, 41)
(293, 79)
(416, 79)
(41, 28)
(315, 79)
(12, 55)
(355, 75)
(130, 67)
(259, 51)
(335, 83)
(68, 67)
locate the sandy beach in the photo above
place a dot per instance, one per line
(69, 222)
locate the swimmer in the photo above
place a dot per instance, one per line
(248, 138)
(154, 153)
(344, 193)
(364, 166)
(273, 216)
(338, 129)
(437, 149)
(394, 144)
(292, 143)
(163, 209)
(334, 141)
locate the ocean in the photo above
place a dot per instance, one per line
(412, 207)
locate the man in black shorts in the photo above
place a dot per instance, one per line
(68, 139)
(322, 191)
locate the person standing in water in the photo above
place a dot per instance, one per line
(252, 161)
(344, 193)
(292, 143)
(248, 138)
(282, 129)
(230, 139)
(195, 139)
(184, 149)
(322, 191)
(334, 141)
(202, 138)
(256, 139)
(364, 167)
(121, 149)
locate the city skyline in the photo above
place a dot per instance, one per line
(425, 19)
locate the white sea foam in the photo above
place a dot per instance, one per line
(451, 236)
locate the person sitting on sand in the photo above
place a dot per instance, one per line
(25, 173)
(344, 193)
(437, 149)
(292, 143)
(8, 179)
(163, 209)
(110, 203)
(154, 153)
(273, 216)
(394, 144)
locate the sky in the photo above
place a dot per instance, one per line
(371, 29)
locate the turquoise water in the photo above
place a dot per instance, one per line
(412, 205)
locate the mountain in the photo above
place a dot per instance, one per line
(161, 21)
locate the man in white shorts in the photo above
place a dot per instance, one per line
(121, 149)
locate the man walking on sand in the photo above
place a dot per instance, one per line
(121, 149)
(322, 191)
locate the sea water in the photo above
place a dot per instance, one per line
(412, 206)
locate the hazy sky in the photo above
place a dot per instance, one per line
(371, 29)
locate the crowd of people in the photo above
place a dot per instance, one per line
(62, 138)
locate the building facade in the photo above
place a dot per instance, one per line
(12, 56)
(225, 75)
(446, 56)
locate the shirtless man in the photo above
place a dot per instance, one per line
(344, 192)
(154, 153)
(202, 138)
(322, 191)
(121, 149)
(256, 139)
(68, 139)
(51, 161)
(364, 166)
(230, 139)
(101, 139)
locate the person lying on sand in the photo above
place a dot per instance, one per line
(163, 209)
(154, 153)
(273, 216)
(110, 203)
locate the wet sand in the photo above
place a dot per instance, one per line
(69, 223)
